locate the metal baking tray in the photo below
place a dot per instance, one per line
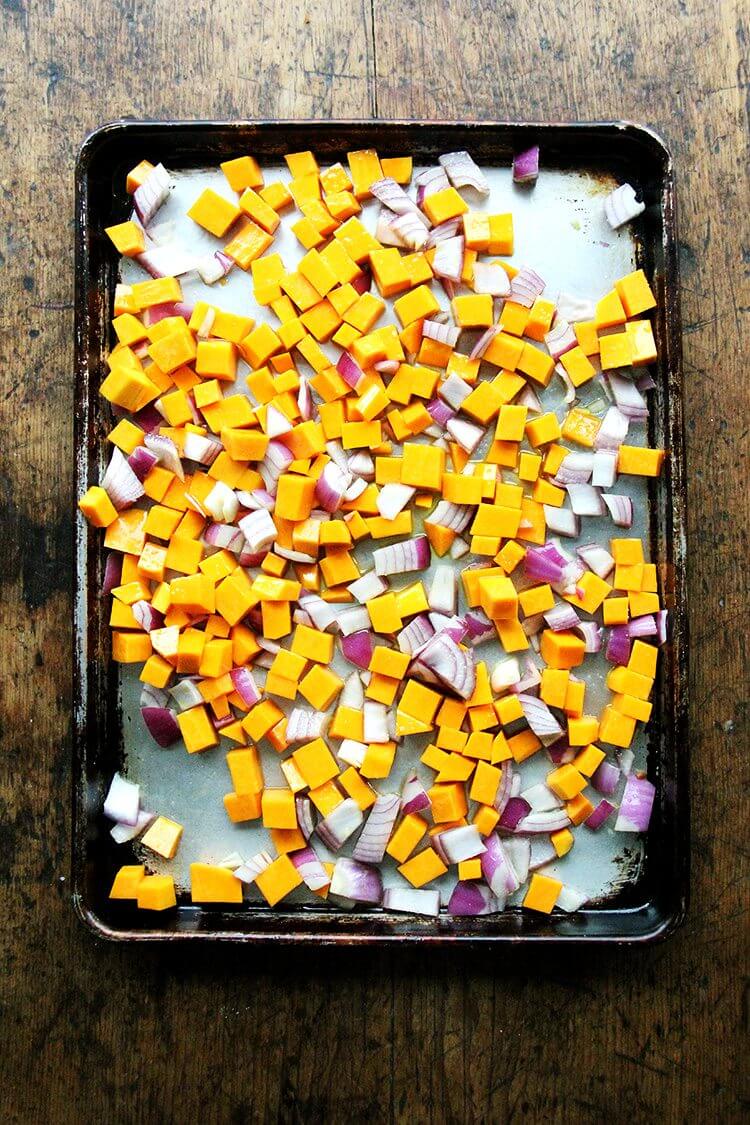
(643, 907)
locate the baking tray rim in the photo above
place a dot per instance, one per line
(670, 921)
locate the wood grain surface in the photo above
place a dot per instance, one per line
(95, 1032)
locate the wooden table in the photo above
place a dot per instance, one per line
(97, 1032)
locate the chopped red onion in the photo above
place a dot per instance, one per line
(570, 391)
(628, 399)
(161, 724)
(429, 181)
(470, 900)
(212, 267)
(448, 259)
(443, 232)
(393, 196)
(529, 398)
(225, 536)
(356, 881)
(497, 869)
(440, 411)
(560, 753)
(304, 726)
(505, 788)
(355, 489)
(541, 852)
(463, 172)
(149, 196)
(147, 616)
(314, 874)
(526, 166)
(451, 663)
(166, 452)
(305, 816)
(516, 809)
(358, 648)
(544, 563)
(550, 821)
(454, 390)
(560, 339)
(562, 521)
(606, 778)
(222, 503)
(613, 430)
(570, 900)
(410, 230)
(636, 805)
(526, 286)
(599, 816)
(661, 626)
(518, 852)
(385, 228)
(158, 313)
(202, 448)
(618, 645)
(620, 508)
(369, 586)
(323, 614)
(575, 468)
(331, 486)
(596, 558)
(443, 333)
(414, 796)
(484, 341)
(575, 309)
(387, 366)
(604, 472)
(259, 530)
(402, 557)
(249, 871)
(142, 461)
(373, 840)
(585, 500)
(540, 798)
(245, 686)
(393, 498)
(122, 801)
(490, 278)
(478, 626)
(621, 205)
(375, 722)
(123, 833)
(121, 484)
(561, 617)
(112, 572)
(166, 261)
(443, 590)
(405, 900)
(592, 635)
(626, 759)
(349, 370)
(335, 829)
(185, 693)
(644, 626)
(505, 674)
(465, 433)
(541, 720)
(463, 842)
(414, 635)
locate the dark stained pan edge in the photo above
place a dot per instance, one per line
(95, 730)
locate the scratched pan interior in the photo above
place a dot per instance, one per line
(644, 910)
